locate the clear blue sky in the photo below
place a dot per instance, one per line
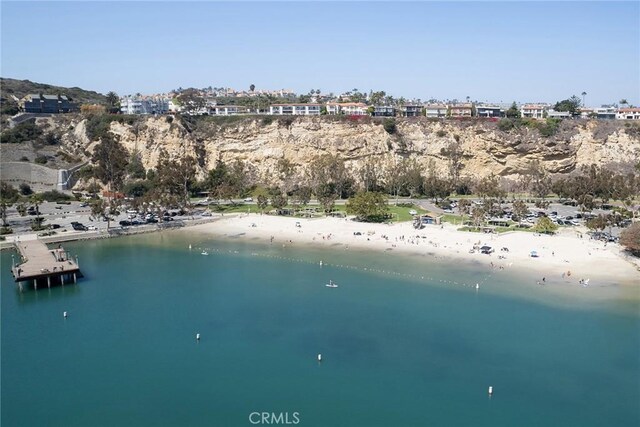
(495, 51)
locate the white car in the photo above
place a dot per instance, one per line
(249, 199)
(205, 213)
(413, 212)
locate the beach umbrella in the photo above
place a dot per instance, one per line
(534, 254)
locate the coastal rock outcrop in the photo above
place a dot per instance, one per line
(263, 141)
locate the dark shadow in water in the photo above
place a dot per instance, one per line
(30, 296)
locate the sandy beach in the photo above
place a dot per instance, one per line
(563, 259)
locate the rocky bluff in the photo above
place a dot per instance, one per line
(485, 147)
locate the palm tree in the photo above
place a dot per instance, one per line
(112, 98)
(583, 95)
(623, 101)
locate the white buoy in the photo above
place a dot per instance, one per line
(490, 390)
(319, 357)
(477, 285)
(64, 314)
(320, 263)
(197, 337)
(189, 246)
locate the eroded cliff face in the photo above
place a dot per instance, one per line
(486, 149)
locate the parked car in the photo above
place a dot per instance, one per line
(78, 226)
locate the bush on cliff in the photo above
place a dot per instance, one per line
(630, 238)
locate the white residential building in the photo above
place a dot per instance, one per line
(553, 114)
(227, 110)
(628, 114)
(533, 111)
(436, 111)
(347, 108)
(295, 109)
(605, 112)
(144, 105)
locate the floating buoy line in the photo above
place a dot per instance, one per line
(475, 285)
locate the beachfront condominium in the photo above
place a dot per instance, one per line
(150, 105)
(435, 111)
(533, 111)
(347, 108)
(227, 110)
(461, 110)
(295, 109)
(628, 114)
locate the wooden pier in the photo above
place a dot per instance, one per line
(43, 266)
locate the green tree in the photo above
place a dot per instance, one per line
(520, 210)
(327, 197)
(279, 201)
(436, 187)
(301, 196)
(135, 168)
(389, 125)
(329, 172)
(368, 206)
(8, 196)
(252, 87)
(263, 202)
(513, 112)
(36, 201)
(110, 160)
(177, 175)
(113, 102)
(478, 216)
(545, 225)
(191, 101)
(571, 105)
(455, 158)
(371, 174)
(600, 222)
(377, 98)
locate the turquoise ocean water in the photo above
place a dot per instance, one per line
(400, 347)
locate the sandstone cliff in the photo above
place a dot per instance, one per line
(264, 141)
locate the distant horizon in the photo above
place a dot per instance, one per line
(494, 52)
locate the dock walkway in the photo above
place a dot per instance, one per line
(44, 265)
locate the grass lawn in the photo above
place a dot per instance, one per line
(398, 213)
(239, 208)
